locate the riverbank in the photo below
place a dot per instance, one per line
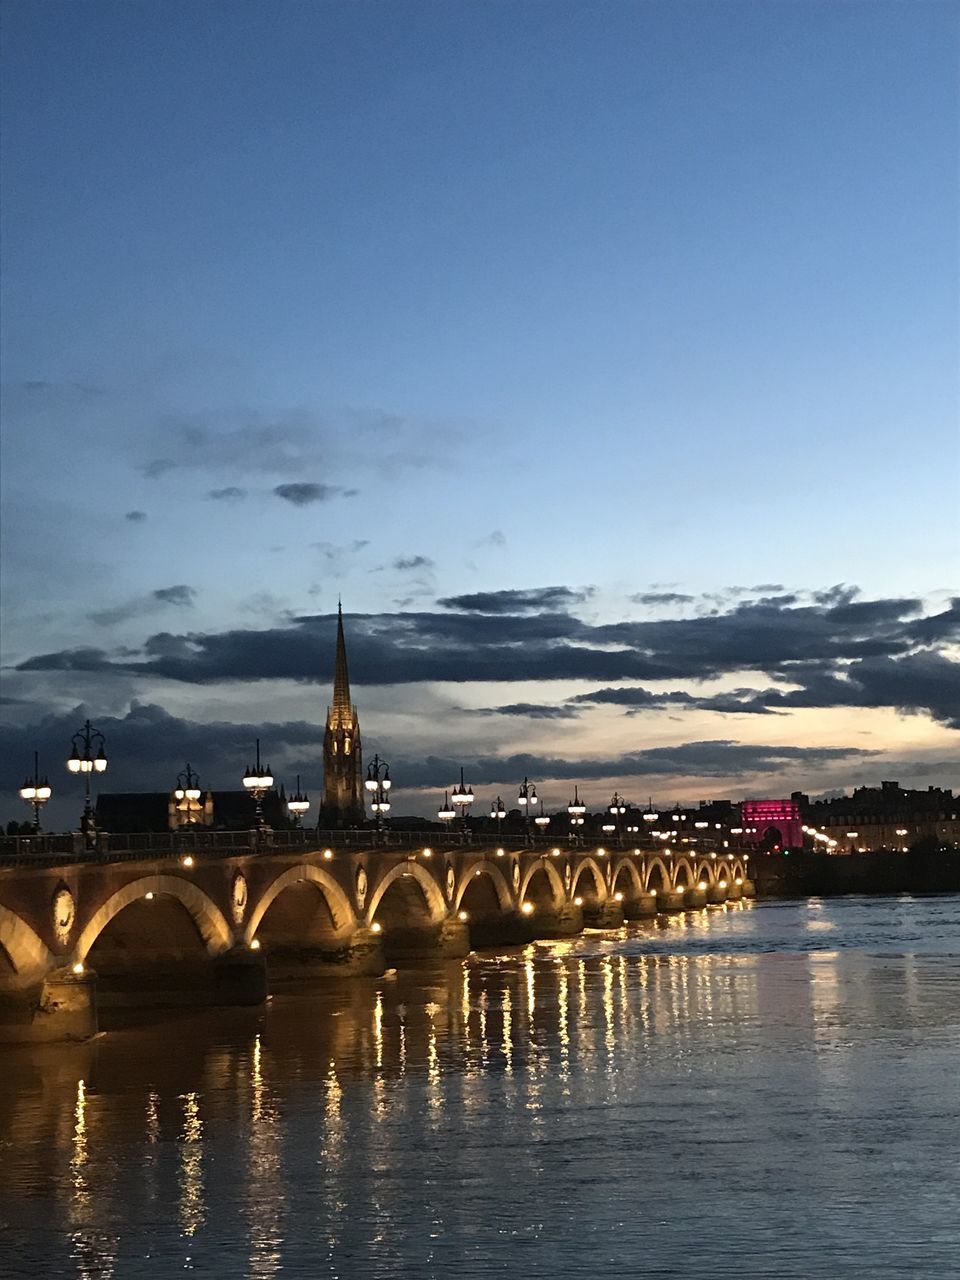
(799, 875)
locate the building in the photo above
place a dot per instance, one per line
(342, 755)
(772, 824)
(884, 817)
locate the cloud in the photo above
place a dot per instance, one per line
(407, 563)
(230, 493)
(180, 596)
(533, 600)
(496, 538)
(303, 494)
(136, 517)
(809, 655)
(662, 598)
(159, 467)
(531, 710)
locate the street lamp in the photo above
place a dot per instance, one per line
(576, 809)
(297, 804)
(378, 784)
(36, 791)
(257, 782)
(91, 759)
(527, 799)
(462, 797)
(445, 813)
(187, 793)
(617, 808)
(499, 812)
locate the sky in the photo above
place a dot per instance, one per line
(602, 357)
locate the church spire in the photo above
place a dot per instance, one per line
(342, 706)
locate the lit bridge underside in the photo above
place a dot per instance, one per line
(212, 917)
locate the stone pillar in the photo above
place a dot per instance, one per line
(641, 907)
(694, 898)
(716, 896)
(670, 900)
(66, 1008)
(564, 921)
(748, 889)
(512, 929)
(734, 891)
(361, 955)
(603, 915)
(454, 938)
(240, 978)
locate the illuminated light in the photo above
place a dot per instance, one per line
(187, 861)
(149, 896)
(701, 885)
(375, 927)
(852, 835)
(578, 902)
(723, 884)
(601, 853)
(701, 824)
(653, 893)
(650, 817)
(78, 968)
(328, 854)
(736, 831)
(739, 880)
(713, 855)
(636, 853)
(500, 853)
(428, 853)
(618, 897)
(255, 944)
(555, 853)
(462, 915)
(527, 908)
(478, 873)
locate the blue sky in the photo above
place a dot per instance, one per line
(606, 296)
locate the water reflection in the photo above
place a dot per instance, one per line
(444, 1120)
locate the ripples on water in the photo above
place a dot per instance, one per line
(766, 1091)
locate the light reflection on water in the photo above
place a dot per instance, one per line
(765, 1091)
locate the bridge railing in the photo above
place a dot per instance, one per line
(118, 847)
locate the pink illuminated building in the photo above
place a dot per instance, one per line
(772, 823)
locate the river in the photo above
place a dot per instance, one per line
(759, 1090)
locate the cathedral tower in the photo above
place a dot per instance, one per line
(342, 758)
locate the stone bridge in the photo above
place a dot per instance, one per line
(195, 923)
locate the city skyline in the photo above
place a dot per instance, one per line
(604, 361)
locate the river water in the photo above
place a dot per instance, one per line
(761, 1090)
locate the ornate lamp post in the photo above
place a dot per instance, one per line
(527, 800)
(36, 791)
(298, 804)
(498, 812)
(257, 782)
(576, 809)
(87, 755)
(378, 784)
(445, 813)
(542, 821)
(187, 793)
(462, 797)
(617, 809)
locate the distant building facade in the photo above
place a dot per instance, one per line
(884, 817)
(772, 824)
(342, 753)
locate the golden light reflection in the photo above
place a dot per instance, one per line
(191, 1167)
(434, 1092)
(378, 1030)
(265, 1191)
(507, 1033)
(563, 997)
(610, 1039)
(92, 1250)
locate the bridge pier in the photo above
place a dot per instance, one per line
(694, 898)
(603, 915)
(734, 891)
(239, 978)
(63, 1007)
(670, 900)
(511, 929)
(748, 889)
(716, 895)
(640, 907)
(362, 956)
(448, 940)
(564, 921)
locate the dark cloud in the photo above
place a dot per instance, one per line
(230, 493)
(136, 517)
(407, 563)
(533, 600)
(834, 655)
(141, 606)
(304, 494)
(660, 598)
(159, 467)
(530, 710)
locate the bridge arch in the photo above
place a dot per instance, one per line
(542, 881)
(684, 876)
(492, 876)
(627, 878)
(336, 900)
(589, 867)
(433, 898)
(707, 872)
(657, 876)
(214, 931)
(22, 950)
